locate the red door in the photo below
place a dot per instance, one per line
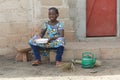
(101, 18)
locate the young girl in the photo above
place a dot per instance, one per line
(55, 34)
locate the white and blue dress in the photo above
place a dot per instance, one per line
(52, 31)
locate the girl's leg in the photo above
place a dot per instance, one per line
(59, 53)
(36, 53)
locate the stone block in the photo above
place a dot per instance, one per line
(68, 25)
(69, 35)
(25, 39)
(45, 59)
(13, 39)
(13, 4)
(14, 16)
(44, 13)
(51, 2)
(68, 55)
(4, 29)
(35, 30)
(110, 53)
(3, 17)
(63, 13)
(52, 55)
(8, 51)
(3, 42)
(18, 28)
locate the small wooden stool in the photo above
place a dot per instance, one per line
(23, 53)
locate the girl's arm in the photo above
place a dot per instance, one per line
(42, 33)
(60, 32)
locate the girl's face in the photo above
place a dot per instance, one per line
(52, 15)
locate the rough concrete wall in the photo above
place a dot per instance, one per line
(19, 17)
(72, 7)
(81, 20)
(78, 15)
(14, 21)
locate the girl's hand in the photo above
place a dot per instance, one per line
(36, 37)
(49, 40)
(47, 45)
(54, 38)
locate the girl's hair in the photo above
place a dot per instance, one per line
(55, 9)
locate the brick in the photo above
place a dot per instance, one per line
(67, 55)
(13, 39)
(44, 13)
(35, 30)
(69, 35)
(68, 25)
(4, 29)
(24, 4)
(45, 59)
(51, 2)
(14, 16)
(110, 53)
(18, 28)
(13, 4)
(10, 52)
(25, 39)
(3, 42)
(3, 17)
(52, 55)
(63, 13)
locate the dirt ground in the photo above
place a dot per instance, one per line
(9, 68)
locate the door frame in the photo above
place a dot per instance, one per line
(118, 18)
(81, 29)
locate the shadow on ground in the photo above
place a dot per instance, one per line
(11, 69)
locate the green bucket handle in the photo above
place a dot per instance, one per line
(87, 53)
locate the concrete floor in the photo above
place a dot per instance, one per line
(11, 70)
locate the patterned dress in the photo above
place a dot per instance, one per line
(52, 31)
